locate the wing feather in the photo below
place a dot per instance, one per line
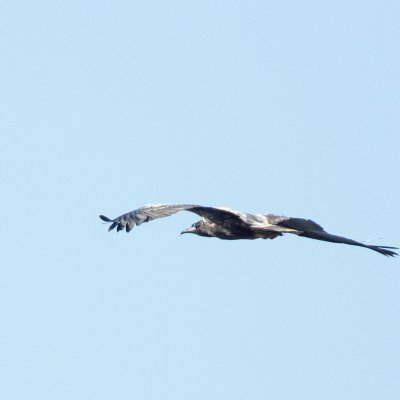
(225, 217)
(146, 213)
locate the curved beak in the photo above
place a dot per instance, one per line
(189, 230)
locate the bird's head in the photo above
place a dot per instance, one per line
(197, 228)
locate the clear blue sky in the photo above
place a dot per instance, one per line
(287, 107)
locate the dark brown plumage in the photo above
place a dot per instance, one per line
(229, 224)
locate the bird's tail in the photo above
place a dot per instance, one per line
(327, 237)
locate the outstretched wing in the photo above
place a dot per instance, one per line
(224, 217)
(310, 229)
(144, 214)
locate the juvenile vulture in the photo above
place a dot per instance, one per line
(229, 224)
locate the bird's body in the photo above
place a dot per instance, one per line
(228, 224)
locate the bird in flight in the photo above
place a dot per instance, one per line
(226, 223)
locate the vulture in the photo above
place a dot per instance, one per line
(226, 223)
